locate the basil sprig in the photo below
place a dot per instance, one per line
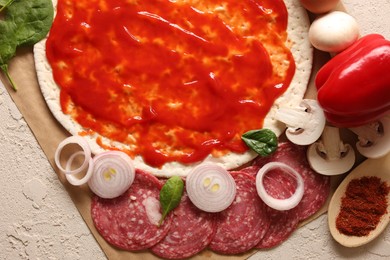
(170, 195)
(264, 141)
(25, 23)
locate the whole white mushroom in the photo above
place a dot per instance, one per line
(319, 6)
(333, 32)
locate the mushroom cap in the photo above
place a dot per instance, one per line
(313, 126)
(380, 146)
(319, 6)
(334, 31)
(320, 163)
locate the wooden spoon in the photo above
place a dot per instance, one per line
(370, 167)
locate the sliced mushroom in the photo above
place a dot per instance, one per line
(304, 123)
(330, 156)
(374, 138)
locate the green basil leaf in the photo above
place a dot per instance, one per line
(263, 141)
(170, 195)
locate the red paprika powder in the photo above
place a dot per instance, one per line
(362, 206)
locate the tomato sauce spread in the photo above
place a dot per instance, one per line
(172, 80)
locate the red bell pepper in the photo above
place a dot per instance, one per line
(354, 86)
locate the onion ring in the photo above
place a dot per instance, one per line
(114, 173)
(80, 142)
(279, 204)
(210, 187)
(71, 177)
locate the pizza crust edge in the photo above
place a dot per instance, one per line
(298, 27)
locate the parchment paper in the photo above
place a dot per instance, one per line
(49, 133)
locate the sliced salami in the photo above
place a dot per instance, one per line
(251, 170)
(244, 223)
(317, 186)
(278, 184)
(191, 232)
(130, 222)
(317, 189)
(283, 223)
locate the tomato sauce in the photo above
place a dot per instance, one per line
(173, 80)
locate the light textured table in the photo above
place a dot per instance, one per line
(39, 221)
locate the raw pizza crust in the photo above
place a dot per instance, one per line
(298, 27)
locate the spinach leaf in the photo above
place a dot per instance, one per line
(25, 23)
(5, 3)
(263, 141)
(170, 195)
(7, 44)
(32, 19)
(7, 47)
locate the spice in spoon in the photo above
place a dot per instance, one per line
(362, 206)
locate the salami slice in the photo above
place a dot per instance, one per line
(278, 184)
(191, 232)
(243, 224)
(317, 186)
(283, 223)
(251, 170)
(317, 189)
(130, 221)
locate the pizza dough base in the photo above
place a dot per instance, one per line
(298, 27)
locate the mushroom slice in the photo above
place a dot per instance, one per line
(374, 138)
(304, 123)
(330, 156)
